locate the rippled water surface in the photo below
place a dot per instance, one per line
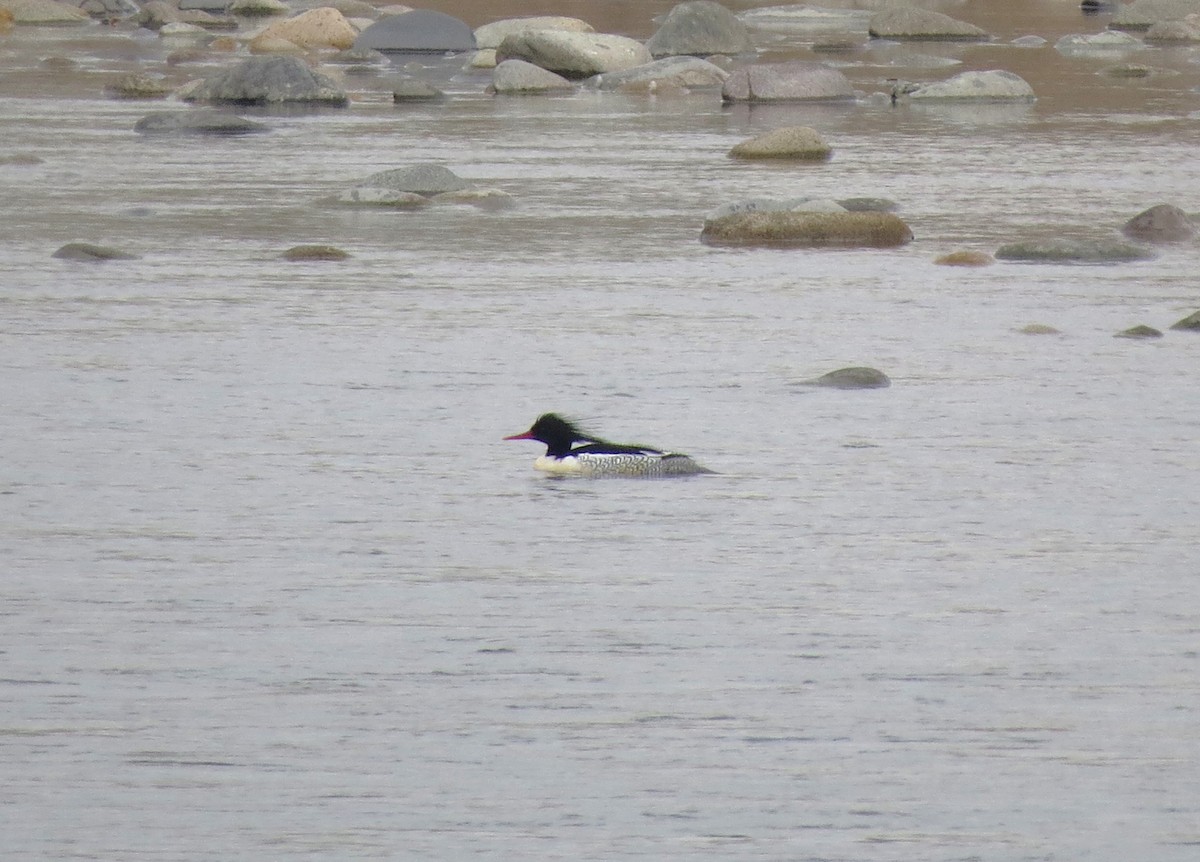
(275, 589)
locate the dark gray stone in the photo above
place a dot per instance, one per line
(854, 377)
(700, 28)
(421, 30)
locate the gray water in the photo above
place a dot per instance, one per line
(275, 589)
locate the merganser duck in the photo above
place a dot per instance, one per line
(599, 457)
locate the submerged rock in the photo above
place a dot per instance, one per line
(1191, 323)
(991, 86)
(685, 72)
(796, 81)
(516, 77)
(1072, 251)
(270, 80)
(1162, 223)
(794, 229)
(140, 86)
(1142, 14)
(1139, 331)
(854, 377)
(1097, 43)
(965, 258)
(909, 22)
(88, 252)
(315, 252)
(700, 28)
(1038, 329)
(415, 90)
(421, 179)
(795, 143)
(202, 121)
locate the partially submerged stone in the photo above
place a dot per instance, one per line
(140, 86)
(516, 77)
(421, 179)
(1191, 323)
(854, 377)
(807, 229)
(415, 90)
(684, 72)
(965, 258)
(909, 22)
(270, 80)
(991, 86)
(1109, 40)
(796, 81)
(1057, 250)
(1139, 331)
(1161, 223)
(315, 253)
(1143, 14)
(700, 28)
(86, 251)
(795, 143)
(573, 55)
(203, 121)
(1038, 329)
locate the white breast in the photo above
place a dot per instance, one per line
(596, 465)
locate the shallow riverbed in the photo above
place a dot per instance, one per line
(275, 589)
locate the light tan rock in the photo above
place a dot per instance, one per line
(324, 27)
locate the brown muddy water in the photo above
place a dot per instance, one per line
(274, 589)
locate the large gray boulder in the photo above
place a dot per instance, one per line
(700, 28)
(269, 80)
(518, 78)
(1142, 14)
(991, 86)
(573, 55)
(418, 31)
(909, 22)
(1057, 250)
(202, 121)
(787, 82)
(686, 72)
(1162, 223)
